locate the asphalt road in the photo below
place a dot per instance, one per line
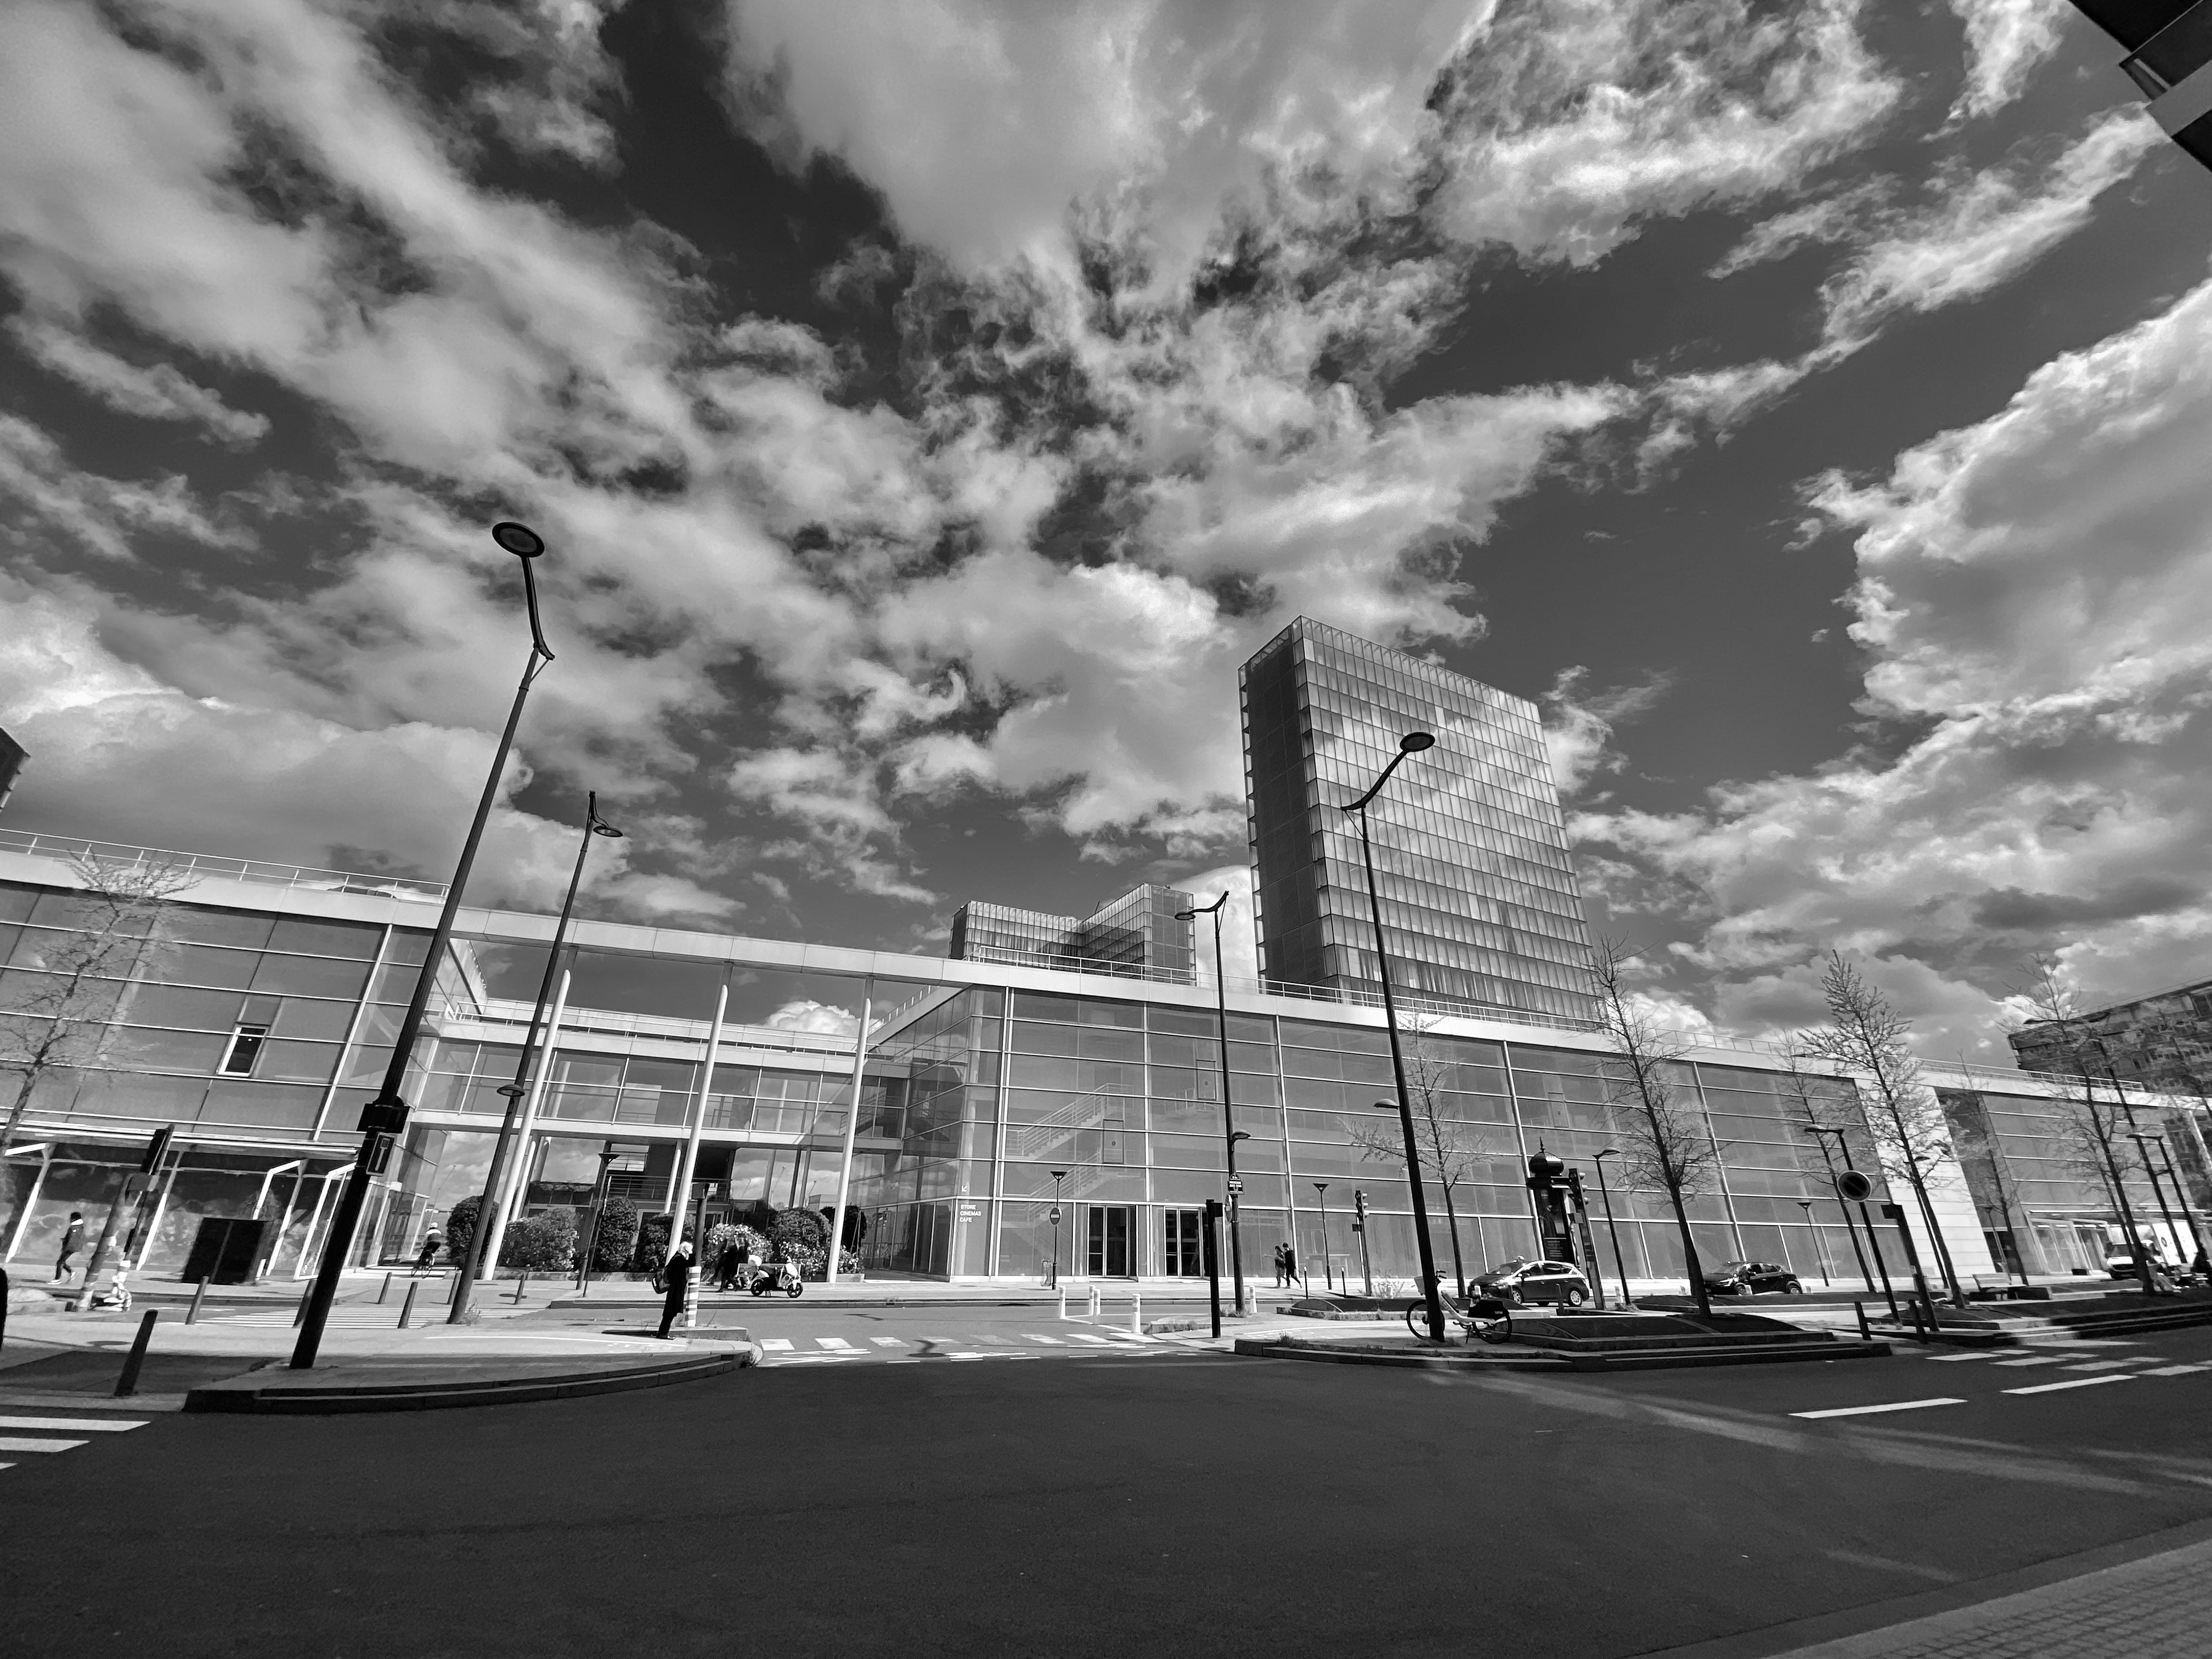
(1134, 1504)
(800, 1333)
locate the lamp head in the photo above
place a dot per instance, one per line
(1186, 915)
(1414, 742)
(519, 540)
(596, 825)
(601, 828)
(1236, 1135)
(1610, 1151)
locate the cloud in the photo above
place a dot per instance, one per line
(2034, 592)
(159, 392)
(100, 513)
(2006, 41)
(1579, 722)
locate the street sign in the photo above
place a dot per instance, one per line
(1854, 1186)
(1237, 1183)
(1053, 1216)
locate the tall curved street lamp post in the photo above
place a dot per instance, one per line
(385, 1117)
(488, 1205)
(1321, 1192)
(1820, 1246)
(1227, 1112)
(1412, 744)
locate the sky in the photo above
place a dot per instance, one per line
(927, 414)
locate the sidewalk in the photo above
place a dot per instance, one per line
(2150, 1598)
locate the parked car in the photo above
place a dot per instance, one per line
(1524, 1283)
(1750, 1277)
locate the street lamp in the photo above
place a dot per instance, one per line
(1058, 1175)
(1620, 1264)
(1819, 1245)
(1412, 744)
(384, 1117)
(607, 1156)
(488, 1207)
(2181, 1192)
(2158, 1191)
(1820, 1132)
(1227, 1112)
(1321, 1190)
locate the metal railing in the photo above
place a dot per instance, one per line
(64, 848)
(502, 1011)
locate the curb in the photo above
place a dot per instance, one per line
(1342, 1354)
(278, 1400)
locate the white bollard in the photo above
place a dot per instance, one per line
(1136, 1315)
(1063, 1303)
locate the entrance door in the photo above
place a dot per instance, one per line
(1111, 1228)
(1184, 1256)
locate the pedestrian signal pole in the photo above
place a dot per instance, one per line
(1360, 1226)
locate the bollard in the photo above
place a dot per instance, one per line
(128, 1383)
(384, 1290)
(194, 1312)
(407, 1308)
(1063, 1303)
(1136, 1315)
(520, 1280)
(300, 1312)
(454, 1291)
(1866, 1331)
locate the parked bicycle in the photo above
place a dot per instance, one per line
(1484, 1318)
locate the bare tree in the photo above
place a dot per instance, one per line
(1826, 1113)
(1664, 1131)
(2088, 1138)
(1449, 1148)
(1869, 1038)
(57, 1001)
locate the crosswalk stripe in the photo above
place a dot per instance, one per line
(776, 1344)
(2177, 1371)
(2077, 1382)
(2036, 1359)
(889, 1341)
(1864, 1411)
(1079, 1337)
(1036, 1337)
(11, 1443)
(111, 1424)
(832, 1343)
(2103, 1364)
(1954, 1358)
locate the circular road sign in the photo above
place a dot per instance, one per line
(1053, 1215)
(1854, 1186)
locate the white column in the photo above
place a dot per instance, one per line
(308, 1254)
(680, 1205)
(153, 1227)
(518, 1174)
(38, 1185)
(852, 1128)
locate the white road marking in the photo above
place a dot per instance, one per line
(2038, 1360)
(1035, 1336)
(1892, 1406)
(2078, 1382)
(1100, 1340)
(9, 1443)
(833, 1343)
(111, 1424)
(2108, 1364)
(1954, 1358)
(776, 1344)
(889, 1341)
(2177, 1371)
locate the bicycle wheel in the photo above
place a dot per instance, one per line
(1417, 1318)
(1490, 1327)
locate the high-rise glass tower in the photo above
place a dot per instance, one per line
(1479, 903)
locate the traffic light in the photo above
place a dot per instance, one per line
(1358, 1211)
(1544, 1171)
(2169, 46)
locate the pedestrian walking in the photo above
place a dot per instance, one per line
(678, 1276)
(1281, 1278)
(726, 1265)
(431, 1242)
(72, 1241)
(1289, 1266)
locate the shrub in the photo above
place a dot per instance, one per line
(652, 1243)
(460, 1227)
(617, 1241)
(540, 1245)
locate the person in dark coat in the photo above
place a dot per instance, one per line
(678, 1276)
(72, 1241)
(726, 1266)
(1289, 1266)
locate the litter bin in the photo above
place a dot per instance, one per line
(224, 1250)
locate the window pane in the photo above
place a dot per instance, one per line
(327, 1021)
(203, 964)
(311, 976)
(167, 1051)
(326, 938)
(180, 1005)
(297, 1062)
(200, 925)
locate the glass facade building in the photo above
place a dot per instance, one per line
(1480, 904)
(257, 1018)
(1137, 931)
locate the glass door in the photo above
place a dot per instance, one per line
(1183, 1256)
(1110, 1233)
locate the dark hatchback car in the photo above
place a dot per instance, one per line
(1750, 1277)
(1531, 1282)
